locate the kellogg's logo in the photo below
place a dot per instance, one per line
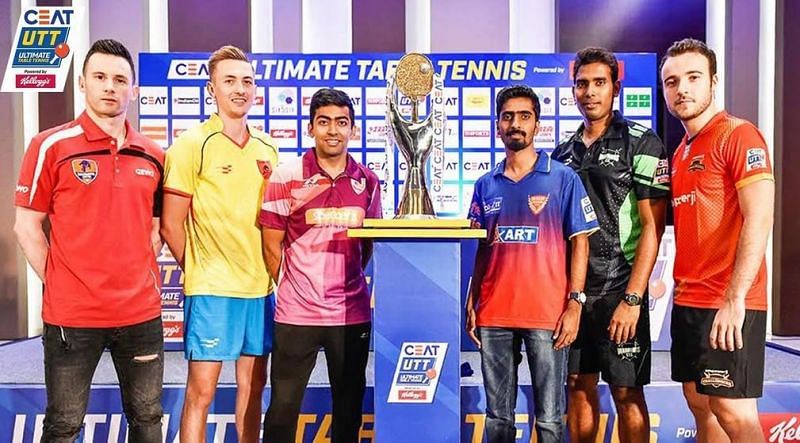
(35, 81)
(283, 133)
(779, 428)
(173, 331)
(415, 396)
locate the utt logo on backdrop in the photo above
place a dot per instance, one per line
(417, 374)
(40, 57)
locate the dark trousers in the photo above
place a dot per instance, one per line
(294, 355)
(71, 356)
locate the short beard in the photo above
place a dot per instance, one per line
(516, 146)
(700, 110)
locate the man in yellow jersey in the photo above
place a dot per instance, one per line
(215, 176)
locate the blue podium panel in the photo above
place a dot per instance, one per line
(417, 326)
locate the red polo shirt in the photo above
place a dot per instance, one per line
(100, 198)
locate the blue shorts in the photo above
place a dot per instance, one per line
(220, 328)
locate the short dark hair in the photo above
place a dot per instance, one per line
(517, 91)
(111, 47)
(330, 96)
(691, 45)
(587, 56)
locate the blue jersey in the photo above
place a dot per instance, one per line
(529, 222)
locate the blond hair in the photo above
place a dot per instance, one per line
(227, 52)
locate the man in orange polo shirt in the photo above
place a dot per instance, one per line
(723, 194)
(98, 181)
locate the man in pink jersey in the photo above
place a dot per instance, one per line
(323, 301)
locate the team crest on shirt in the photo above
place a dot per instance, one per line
(756, 159)
(537, 203)
(608, 157)
(85, 170)
(697, 163)
(716, 378)
(358, 185)
(265, 168)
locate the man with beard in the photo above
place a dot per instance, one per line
(531, 207)
(625, 170)
(723, 197)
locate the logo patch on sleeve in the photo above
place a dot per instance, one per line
(265, 168)
(662, 172)
(756, 159)
(588, 209)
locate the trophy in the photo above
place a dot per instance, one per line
(415, 139)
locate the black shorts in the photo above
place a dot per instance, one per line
(625, 365)
(737, 374)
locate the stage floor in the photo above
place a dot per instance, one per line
(23, 400)
(21, 363)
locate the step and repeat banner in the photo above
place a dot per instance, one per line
(173, 98)
(21, 415)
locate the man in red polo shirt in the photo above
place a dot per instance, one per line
(98, 182)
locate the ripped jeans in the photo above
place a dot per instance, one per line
(71, 356)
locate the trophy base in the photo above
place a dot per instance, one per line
(414, 217)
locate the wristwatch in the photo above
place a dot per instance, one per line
(632, 299)
(579, 297)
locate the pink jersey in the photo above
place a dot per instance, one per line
(322, 281)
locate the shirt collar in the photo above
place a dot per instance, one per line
(311, 166)
(215, 124)
(711, 123)
(542, 164)
(614, 130)
(94, 133)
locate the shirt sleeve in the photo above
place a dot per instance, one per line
(650, 165)
(746, 156)
(158, 198)
(579, 216)
(277, 202)
(475, 213)
(374, 210)
(36, 178)
(181, 167)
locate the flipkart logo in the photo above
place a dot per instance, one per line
(517, 234)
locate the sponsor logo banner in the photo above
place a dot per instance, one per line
(416, 375)
(40, 55)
